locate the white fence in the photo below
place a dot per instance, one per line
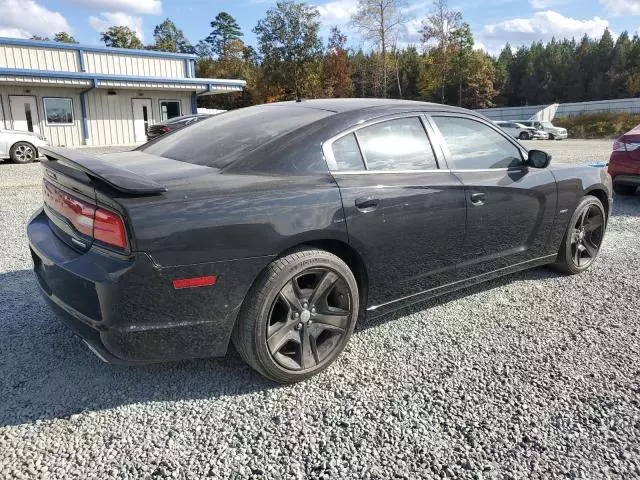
(546, 112)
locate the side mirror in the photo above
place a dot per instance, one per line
(538, 159)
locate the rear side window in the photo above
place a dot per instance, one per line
(220, 140)
(399, 144)
(347, 153)
(476, 146)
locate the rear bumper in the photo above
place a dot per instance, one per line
(627, 180)
(127, 309)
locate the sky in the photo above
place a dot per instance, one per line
(493, 22)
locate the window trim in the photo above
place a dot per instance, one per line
(327, 145)
(447, 153)
(46, 119)
(169, 100)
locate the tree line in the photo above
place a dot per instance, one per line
(291, 61)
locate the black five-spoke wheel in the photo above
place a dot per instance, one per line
(308, 319)
(584, 236)
(298, 316)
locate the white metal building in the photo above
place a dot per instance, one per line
(87, 95)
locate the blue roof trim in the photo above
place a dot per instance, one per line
(204, 82)
(91, 48)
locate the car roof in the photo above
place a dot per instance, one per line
(343, 105)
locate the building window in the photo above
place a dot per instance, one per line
(169, 109)
(58, 111)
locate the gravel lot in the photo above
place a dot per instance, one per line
(535, 375)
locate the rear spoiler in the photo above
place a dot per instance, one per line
(116, 177)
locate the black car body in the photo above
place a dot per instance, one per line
(282, 176)
(174, 124)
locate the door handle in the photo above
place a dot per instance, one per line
(478, 198)
(366, 204)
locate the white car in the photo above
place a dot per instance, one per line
(554, 133)
(20, 147)
(521, 132)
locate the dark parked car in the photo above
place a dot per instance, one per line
(174, 123)
(624, 164)
(278, 226)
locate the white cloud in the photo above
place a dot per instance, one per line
(545, 4)
(146, 7)
(24, 18)
(337, 12)
(110, 19)
(542, 26)
(619, 8)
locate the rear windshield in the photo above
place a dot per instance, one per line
(220, 140)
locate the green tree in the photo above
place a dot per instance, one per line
(168, 38)
(121, 37)
(337, 71)
(225, 31)
(64, 37)
(440, 28)
(289, 42)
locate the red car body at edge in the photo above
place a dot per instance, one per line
(624, 164)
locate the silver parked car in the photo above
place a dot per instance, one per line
(20, 147)
(521, 132)
(555, 133)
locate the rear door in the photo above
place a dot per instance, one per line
(403, 213)
(510, 207)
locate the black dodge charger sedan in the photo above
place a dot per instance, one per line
(277, 227)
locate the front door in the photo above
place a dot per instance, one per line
(141, 118)
(405, 216)
(510, 207)
(24, 113)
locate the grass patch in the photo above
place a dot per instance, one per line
(598, 125)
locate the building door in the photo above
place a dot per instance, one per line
(141, 118)
(24, 113)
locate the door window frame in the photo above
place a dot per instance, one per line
(327, 146)
(447, 153)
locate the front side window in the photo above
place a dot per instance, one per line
(476, 146)
(58, 111)
(169, 109)
(399, 144)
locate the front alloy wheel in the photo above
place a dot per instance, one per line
(299, 315)
(584, 236)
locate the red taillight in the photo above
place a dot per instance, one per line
(90, 220)
(109, 228)
(166, 129)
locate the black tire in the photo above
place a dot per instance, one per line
(271, 330)
(552, 136)
(583, 238)
(622, 189)
(524, 136)
(23, 152)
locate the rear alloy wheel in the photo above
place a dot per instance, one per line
(524, 136)
(298, 317)
(22, 152)
(584, 236)
(622, 189)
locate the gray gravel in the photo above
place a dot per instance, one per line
(535, 375)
